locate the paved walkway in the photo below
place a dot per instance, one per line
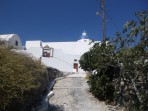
(71, 94)
(77, 75)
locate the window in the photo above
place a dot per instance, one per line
(75, 59)
(16, 43)
(46, 53)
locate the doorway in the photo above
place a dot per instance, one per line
(75, 66)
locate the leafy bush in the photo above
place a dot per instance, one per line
(22, 81)
(54, 73)
(132, 81)
(100, 58)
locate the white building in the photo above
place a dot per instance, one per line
(64, 56)
(12, 40)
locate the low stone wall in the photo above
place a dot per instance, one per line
(54, 75)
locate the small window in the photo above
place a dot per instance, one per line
(41, 44)
(75, 59)
(46, 54)
(16, 43)
(85, 40)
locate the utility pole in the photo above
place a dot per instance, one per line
(103, 21)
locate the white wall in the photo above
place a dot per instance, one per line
(61, 61)
(76, 48)
(13, 40)
(35, 51)
(30, 44)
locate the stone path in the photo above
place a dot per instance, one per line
(71, 94)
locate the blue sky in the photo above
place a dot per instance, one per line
(64, 20)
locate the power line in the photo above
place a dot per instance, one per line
(112, 21)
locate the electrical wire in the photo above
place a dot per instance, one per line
(108, 16)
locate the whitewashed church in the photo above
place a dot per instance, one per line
(64, 56)
(12, 40)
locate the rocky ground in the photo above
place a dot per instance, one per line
(71, 94)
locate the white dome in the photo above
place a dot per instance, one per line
(84, 34)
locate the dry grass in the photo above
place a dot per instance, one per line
(88, 74)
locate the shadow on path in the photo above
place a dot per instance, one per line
(53, 107)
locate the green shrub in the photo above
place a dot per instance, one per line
(133, 55)
(54, 73)
(22, 81)
(101, 83)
